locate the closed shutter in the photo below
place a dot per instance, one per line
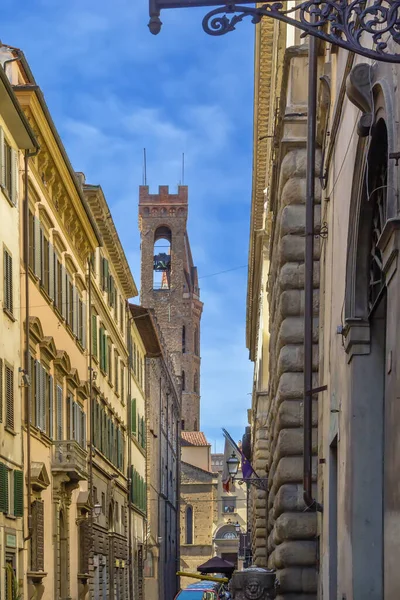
(3, 488)
(105, 275)
(94, 335)
(14, 176)
(1, 390)
(132, 474)
(75, 311)
(51, 407)
(101, 341)
(8, 282)
(71, 419)
(59, 408)
(64, 292)
(43, 398)
(83, 324)
(55, 279)
(105, 346)
(9, 397)
(83, 432)
(133, 416)
(37, 545)
(18, 494)
(118, 448)
(37, 394)
(2, 159)
(37, 248)
(51, 272)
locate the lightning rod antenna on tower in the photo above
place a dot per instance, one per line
(183, 168)
(144, 167)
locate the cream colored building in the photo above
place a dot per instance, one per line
(16, 139)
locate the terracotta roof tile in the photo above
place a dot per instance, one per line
(194, 438)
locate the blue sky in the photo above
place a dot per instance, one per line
(113, 89)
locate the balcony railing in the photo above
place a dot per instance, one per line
(70, 458)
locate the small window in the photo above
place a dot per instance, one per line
(189, 525)
(183, 339)
(229, 505)
(183, 381)
(8, 282)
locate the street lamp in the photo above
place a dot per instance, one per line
(237, 527)
(260, 483)
(96, 510)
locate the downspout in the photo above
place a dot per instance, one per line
(91, 406)
(27, 156)
(177, 504)
(167, 538)
(129, 424)
(310, 502)
(160, 552)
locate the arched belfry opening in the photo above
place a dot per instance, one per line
(162, 258)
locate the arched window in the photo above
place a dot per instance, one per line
(189, 525)
(196, 341)
(162, 259)
(196, 382)
(183, 381)
(183, 339)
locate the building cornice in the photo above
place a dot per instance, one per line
(262, 115)
(111, 242)
(55, 177)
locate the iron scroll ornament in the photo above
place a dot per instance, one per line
(370, 29)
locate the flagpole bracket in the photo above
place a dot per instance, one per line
(261, 483)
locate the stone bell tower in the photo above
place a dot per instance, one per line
(169, 285)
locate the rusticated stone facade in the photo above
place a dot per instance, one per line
(283, 533)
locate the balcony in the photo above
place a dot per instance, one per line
(69, 458)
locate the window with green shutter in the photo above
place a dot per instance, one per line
(94, 335)
(9, 394)
(3, 488)
(18, 493)
(133, 415)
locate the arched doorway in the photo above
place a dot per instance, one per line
(365, 343)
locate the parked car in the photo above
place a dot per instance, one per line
(204, 590)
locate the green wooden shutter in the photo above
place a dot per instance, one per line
(18, 493)
(3, 488)
(94, 335)
(51, 407)
(133, 416)
(9, 397)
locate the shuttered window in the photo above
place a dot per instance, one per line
(122, 383)
(133, 415)
(59, 413)
(9, 395)
(116, 372)
(8, 282)
(18, 493)
(94, 336)
(3, 488)
(9, 172)
(104, 274)
(31, 241)
(37, 543)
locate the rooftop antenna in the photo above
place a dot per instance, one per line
(144, 167)
(183, 168)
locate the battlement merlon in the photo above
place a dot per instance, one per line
(163, 196)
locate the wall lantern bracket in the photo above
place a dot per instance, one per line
(369, 29)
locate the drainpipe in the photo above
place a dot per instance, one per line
(91, 406)
(310, 502)
(160, 499)
(27, 156)
(129, 415)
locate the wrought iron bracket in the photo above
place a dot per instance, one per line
(261, 483)
(369, 29)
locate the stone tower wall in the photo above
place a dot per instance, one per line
(176, 307)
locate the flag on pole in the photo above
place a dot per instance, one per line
(247, 469)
